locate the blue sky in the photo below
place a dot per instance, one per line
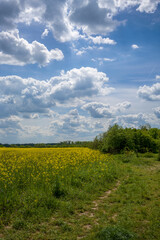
(71, 68)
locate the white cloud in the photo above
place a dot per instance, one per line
(74, 125)
(10, 123)
(157, 112)
(80, 52)
(132, 120)
(45, 33)
(20, 96)
(70, 123)
(57, 19)
(150, 93)
(148, 6)
(30, 96)
(79, 83)
(68, 19)
(9, 12)
(123, 106)
(99, 40)
(135, 46)
(92, 19)
(17, 51)
(100, 110)
(105, 60)
(10, 129)
(157, 77)
(83, 50)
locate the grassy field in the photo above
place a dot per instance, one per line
(78, 193)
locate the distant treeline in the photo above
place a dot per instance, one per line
(118, 139)
(50, 145)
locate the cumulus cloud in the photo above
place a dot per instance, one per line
(79, 83)
(157, 77)
(83, 50)
(74, 124)
(134, 46)
(68, 19)
(20, 95)
(148, 6)
(45, 33)
(17, 51)
(132, 120)
(157, 112)
(100, 110)
(10, 129)
(70, 123)
(92, 19)
(29, 96)
(56, 18)
(150, 93)
(9, 12)
(123, 106)
(10, 123)
(99, 40)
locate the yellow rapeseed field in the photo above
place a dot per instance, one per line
(34, 182)
(36, 165)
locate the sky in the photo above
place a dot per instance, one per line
(69, 69)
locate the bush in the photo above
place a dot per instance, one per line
(128, 156)
(158, 155)
(114, 140)
(118, 139)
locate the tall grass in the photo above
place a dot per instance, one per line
(36, 182)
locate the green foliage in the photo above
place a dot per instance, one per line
(114, 233)
(158, 158)
(50, 145)
(118, 139)
(128, 156)
(19, 224)
(155, 133)
(57, 190)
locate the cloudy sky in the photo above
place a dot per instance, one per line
(71, 68)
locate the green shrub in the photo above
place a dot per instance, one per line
(128, 156)
(57, 190)
(114, 140)
(118, 139)
(148, 155)
(158, 158)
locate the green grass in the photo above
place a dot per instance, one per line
(86, 210)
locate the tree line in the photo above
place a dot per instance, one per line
(118, 139)
(49, 145)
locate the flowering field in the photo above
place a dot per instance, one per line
(41, 166)
(32, 179)
(74, 193)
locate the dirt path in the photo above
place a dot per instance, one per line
(148, 180)
(95, 207)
